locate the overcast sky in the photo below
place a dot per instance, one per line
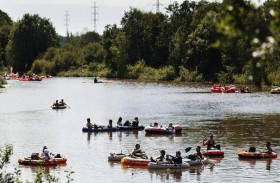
(80, 11)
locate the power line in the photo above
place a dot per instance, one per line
(67, 22)
(94, 18)
(157, 4)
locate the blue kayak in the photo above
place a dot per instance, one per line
(105, 129)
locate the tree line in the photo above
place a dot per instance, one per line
(233, 41)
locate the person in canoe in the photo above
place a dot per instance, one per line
(61, 103)
(96, 81)
(89, 124)
(46, 155)
(110, 125)
(119, 123)
(170, 126)
(196, 155)
(56, 103)
(161, 157)
(135, 122)
(137, 152)
(268, 148)
(126, 123)
(211, 144)
(177, 159)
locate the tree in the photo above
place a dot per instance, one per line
(5, 26)
(30, 37)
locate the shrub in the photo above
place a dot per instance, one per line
(135, 71)
(167, 73)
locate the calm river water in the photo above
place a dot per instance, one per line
(237, 120)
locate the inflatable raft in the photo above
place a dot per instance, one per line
(30, 161)
(198, 162)
(163, 130)
(116, 157)
(213, 152)
(105, 129)
(58, 107)
(157, 165)
(275, 90)
(139, 127)
(128, 161)
(256, 155)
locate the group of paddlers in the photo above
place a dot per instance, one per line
(135, 123)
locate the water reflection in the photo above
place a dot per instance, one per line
(135, 133)
(165, 174)
(164, 135)
(253, 162)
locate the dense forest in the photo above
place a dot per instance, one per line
(233, 41)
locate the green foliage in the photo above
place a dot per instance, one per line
(188, 76)
(167, 73)
(241, 79)
(135, 71)
(5, 26)
(30, 37)
(226, 41)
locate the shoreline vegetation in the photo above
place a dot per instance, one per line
(220, 42)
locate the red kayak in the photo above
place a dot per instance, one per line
(213, 152)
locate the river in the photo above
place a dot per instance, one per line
(237, 121)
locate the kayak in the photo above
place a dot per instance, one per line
(116, 157)
(213, 152)
(139, 127)
(30, 161)
(166, 165)
(58, 107)
(253, 155)
(163, 130)
(105, 129)
(128, 161)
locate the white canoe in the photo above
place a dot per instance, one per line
(155, 165)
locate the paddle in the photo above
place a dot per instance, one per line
(188, 149)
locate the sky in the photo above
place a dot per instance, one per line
(80, 19)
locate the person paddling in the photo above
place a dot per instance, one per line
(177, 159)
(160, 158)
(197, 155)
(61, 103)
(211, 144)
